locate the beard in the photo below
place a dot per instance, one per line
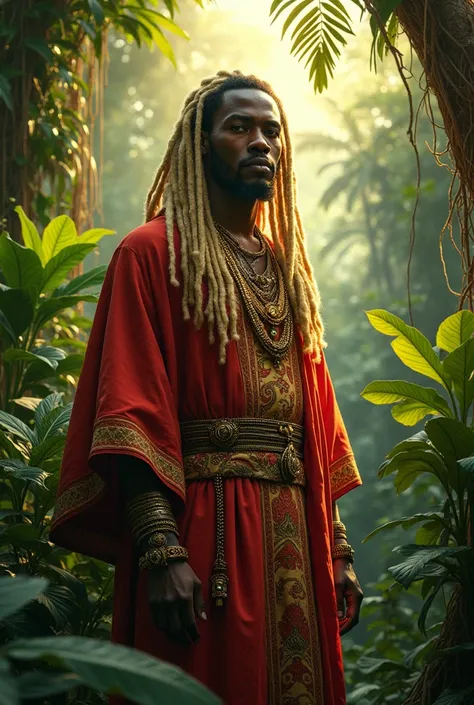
(226, 178)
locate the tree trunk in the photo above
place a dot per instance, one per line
(442, 34)
(454, 672)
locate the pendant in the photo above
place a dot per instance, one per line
(273, 332)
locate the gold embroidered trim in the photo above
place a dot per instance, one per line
(344, 475)
(256, 466)
(114, 433)
(82, 492)
(294, 672)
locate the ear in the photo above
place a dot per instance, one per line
(204, 143)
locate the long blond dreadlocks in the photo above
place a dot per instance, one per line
(180, 190)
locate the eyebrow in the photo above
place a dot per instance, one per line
(248, 118)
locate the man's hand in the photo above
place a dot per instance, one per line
(176, 600)
(348, 595)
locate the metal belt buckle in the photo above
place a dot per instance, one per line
(290, 467)
(223, 433)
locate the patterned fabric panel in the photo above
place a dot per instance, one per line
(293, 649)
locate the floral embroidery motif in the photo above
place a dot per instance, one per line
(294, 659)
(115, 433)
(344, 475)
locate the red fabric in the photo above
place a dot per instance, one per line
(147, 366)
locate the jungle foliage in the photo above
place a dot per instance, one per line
(44, 590)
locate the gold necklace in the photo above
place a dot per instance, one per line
(264, 297)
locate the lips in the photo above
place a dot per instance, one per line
(259, 162)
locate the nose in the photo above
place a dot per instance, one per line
(258, 143)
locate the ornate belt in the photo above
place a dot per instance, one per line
(241, 435)
(246, 435)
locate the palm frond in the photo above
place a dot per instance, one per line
(319, 31)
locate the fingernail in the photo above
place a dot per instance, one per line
(340, 614)
(203, 616)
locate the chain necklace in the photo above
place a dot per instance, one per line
(264, 296)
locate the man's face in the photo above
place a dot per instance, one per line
(243, 150)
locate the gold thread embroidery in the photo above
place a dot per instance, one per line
(82, 492)
(256, 465)
(293, 648)
(344, 475)
(113, 433)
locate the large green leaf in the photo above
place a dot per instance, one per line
(45, 353)
(52, 306)
(34, 685)
(429, 533)
(51, 447)
(405, 523)
(16, 592)
(58, 234)
(46, 405)
(18, 308)
(409, 413)
(109, 668)
(71, 365)
(460, 365)
(9, 691)
(23, 471)
(21, 267)
(61, 264)
(452, 439)
(411, 346)
(30, 234)
(419, 441)
(455, 330)
(16, 426)
(94, 235)
(53, 422)
(410, 464)
(393, 391)
(94, 277)
(416, 560)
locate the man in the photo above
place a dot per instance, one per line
(206, 449)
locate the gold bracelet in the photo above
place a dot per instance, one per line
(161, 557)
(343, 550)
(137, 524)
(154, 529)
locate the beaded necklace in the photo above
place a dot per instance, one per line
(264, 296)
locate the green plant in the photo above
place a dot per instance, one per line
(42, 342)
(52, 78)
(442, 458)
(43, 667)
(33, 297)
(383, 671)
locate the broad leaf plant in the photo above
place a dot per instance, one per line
(441, 455)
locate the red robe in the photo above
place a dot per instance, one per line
(147, 370)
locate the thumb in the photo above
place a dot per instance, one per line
(199, 601)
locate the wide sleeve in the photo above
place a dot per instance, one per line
(343, 472)
(126, 403)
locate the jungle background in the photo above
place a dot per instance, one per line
(357, 189)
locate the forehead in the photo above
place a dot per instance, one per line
(247, 101)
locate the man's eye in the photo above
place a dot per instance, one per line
(273, 133)
(237, 128)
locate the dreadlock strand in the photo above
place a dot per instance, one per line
(180, 187)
